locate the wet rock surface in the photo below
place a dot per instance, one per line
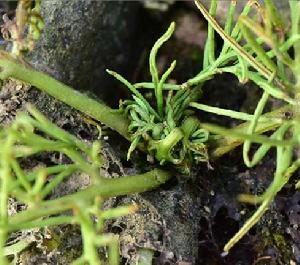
(83, 38)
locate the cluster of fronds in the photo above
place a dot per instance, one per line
(168, 129)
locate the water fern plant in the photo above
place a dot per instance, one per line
(258, 48)
(168, 130)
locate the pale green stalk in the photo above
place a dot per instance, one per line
(107, 188)
(251, 129)
(99, 111)
(231, 113)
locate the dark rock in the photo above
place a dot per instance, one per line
(82, 38)
(181, 212)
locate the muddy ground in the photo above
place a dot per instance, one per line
(189, 219)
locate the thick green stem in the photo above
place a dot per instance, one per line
(10, 68)
(107, 188)
(163, 148)
(52, 221)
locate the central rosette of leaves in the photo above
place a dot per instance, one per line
(166, 128)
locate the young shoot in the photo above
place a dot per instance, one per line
(166, 129)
